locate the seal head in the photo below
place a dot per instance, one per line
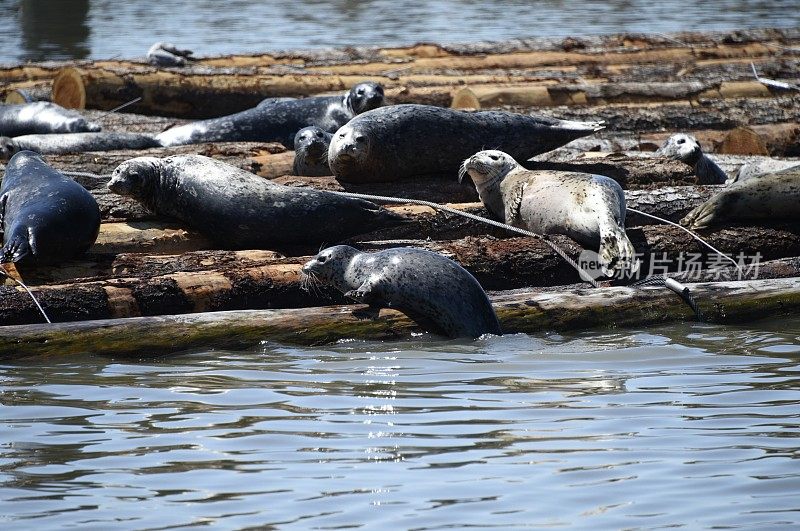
(311, 152)
(137, 178)
(364, 97)
(8, 148)
(686, 149)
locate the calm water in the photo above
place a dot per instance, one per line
(58, 29)
(692, 426)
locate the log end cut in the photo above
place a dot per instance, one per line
(69, 90)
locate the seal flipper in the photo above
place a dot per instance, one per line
(616, 254)
(17, 247)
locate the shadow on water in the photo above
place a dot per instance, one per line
(54, 30)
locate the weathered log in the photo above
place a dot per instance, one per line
(27, 91)
(220, 281)
(527, 312)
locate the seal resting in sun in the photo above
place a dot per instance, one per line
(772, 197)
(60, 143)
(239, 210)
(46, 217)
(402, 141)
(588, 208)
(686, 149)
(431, 289)
(278, 119)
(42, 117)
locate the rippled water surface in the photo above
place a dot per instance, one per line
(50, 29)
(692, 426)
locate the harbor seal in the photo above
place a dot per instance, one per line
(755, 169)
(412, 140)
(239, 210)
(46, 217)
(41, 117)
(167, 54)
(278, 120)
(433, 290)
(588, 208)
(686, 149)
(311, 152)
(59, 143)
(775, 196)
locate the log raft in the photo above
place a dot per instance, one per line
(152, 285)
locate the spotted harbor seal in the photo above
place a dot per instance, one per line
(279, 119)
(760, 168)
(401, 141)
(167, 54)
(686, 149)
(435, 291)
(775, 196)
(311, 152)
(59, 143)
(240, 210)
(46, 217)
(588, 208)
(41, 117)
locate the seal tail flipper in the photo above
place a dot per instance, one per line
(583, 126)
(616, 254)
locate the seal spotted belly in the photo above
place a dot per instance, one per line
(402, 141)
(443, 296)
(46, 217)
(239, 210)
(588, 208)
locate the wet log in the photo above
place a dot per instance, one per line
(527, 312)
(221, 281)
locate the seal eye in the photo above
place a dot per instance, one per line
(681, 141)
(360, 138)
(494, 157)
(322, 259)
(319, 134)
(360, 92)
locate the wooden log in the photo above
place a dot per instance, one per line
(527, 312)
(27, 91)
(222, 281)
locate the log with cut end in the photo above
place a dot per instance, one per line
(526, 312)
(217, 280)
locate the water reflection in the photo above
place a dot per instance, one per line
(54, 30)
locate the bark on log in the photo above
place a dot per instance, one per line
(250, 280)
(527, 312)
(27, 91)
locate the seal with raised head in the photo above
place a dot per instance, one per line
(686, 149)
(42, 117)
(239, 210)
(46, 217)
(311, 152)
(412, 140)
(279, 119)
(773, 197)
(431, 289)
(588, 208)
(59, 143)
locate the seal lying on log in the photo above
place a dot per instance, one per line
(239, 210)
(686, 149)
(311, 152)
(61, 143)
(431, 289)
(403, 141)
(167, 54)
(774, 196)
(46, 217)
(279, 119)
(41, 117)
(590, 209)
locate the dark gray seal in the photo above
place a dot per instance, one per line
(42, 117)
(311, 152)
(278, 119)
(435, 291)
(60, 143)
(239, 210)
(401, 141)
(588, 208)
(771, 197)
(686, 149)
(46, 217)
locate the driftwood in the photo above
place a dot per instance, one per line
(221, 281)
(528, 312)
